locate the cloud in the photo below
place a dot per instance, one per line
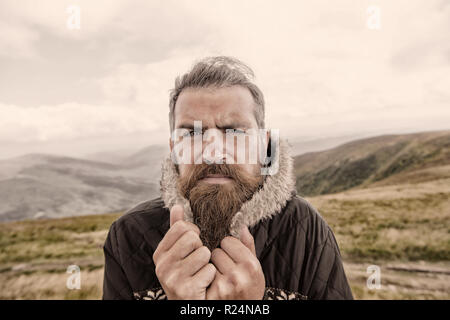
(39, 55)
(115, 27)
(147, 84)
(323, 70)
(17, 41)
(320, 68)
(134, 98)
(52, 15)
(74, 121)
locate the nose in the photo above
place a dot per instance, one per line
(213, 147)
(211, 160)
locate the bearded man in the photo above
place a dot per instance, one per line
(223, 228)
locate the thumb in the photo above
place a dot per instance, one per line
(247, 239)
(176, 214)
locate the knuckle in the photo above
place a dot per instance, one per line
(192, 240)
(212, 267)
(176, 226)
(205, 254)
(233, 278)
(226, 289)
(198, 242)
(191, 234)
(189, 245)
(179, 226)
(239, 283)
(240, 289)
(160, 271)
(162, 268)
(155, 256)
(210, 271)
(229, 241)
(172, 282)
(193, 227)
(215, 253)
(226, 240)
(251, 266)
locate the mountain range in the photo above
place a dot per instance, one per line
(49, 186)
(376, 161)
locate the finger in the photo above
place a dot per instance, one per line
(205, 275)
(247, 239)
(220, 288)
(172, 236)
(195, 261)
(222, 261)
(212, 293)
(176, 214)
(187, 243)
(235, 249)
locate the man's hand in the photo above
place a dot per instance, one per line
(239, 274)
(181, 260)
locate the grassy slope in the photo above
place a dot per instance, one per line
(384, 159)
(387, 200)
(34, 256)
(405, 224)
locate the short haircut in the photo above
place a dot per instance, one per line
(220, 71)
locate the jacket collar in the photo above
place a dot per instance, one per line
(265, 203)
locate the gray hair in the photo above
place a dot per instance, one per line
(218, 72)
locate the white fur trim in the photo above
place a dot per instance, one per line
(265, 203)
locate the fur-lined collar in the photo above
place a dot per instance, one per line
(265, 203)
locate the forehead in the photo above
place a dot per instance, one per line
(215, 105)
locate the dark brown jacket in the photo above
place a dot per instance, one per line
(296, 248)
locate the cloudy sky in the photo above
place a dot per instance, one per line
(324, 71)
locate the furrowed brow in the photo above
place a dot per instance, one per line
(234, 125)
(189, 126)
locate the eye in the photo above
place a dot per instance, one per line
(239, 131)
(192, 133)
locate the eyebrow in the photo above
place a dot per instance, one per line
(229, 125)
(186, 126)
(234, 124)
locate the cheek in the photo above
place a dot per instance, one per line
(252, 169)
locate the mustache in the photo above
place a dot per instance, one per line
(201, 171)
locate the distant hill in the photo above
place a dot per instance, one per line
(131, 157)
(41, 185)
(146, 156)
(382, 160)
(49, 186)
(303, 145)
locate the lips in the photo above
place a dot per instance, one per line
(217, 178)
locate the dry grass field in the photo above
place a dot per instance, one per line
(404, 229)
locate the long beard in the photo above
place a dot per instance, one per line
(214, 205)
